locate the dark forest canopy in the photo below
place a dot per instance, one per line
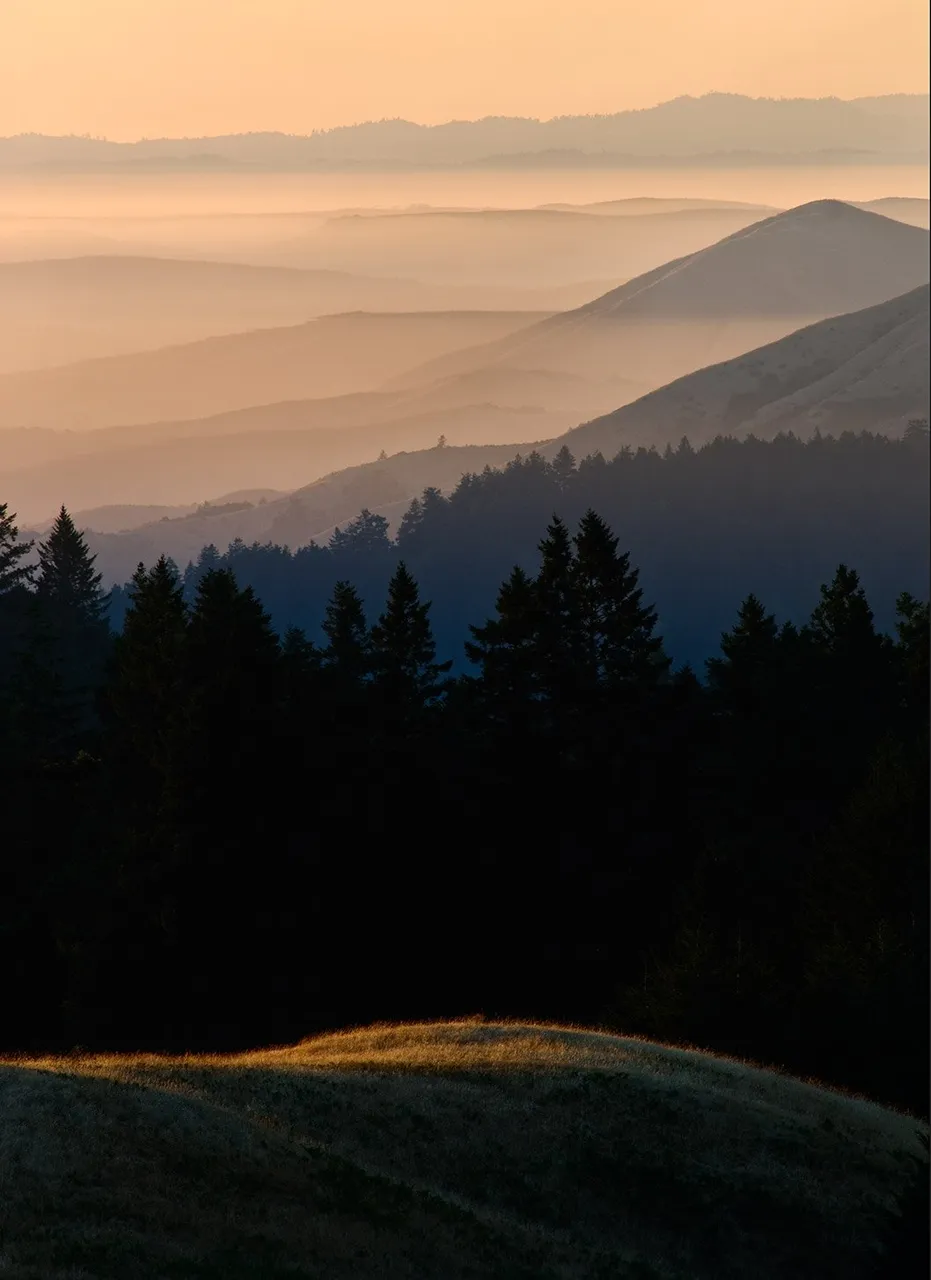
(704, 526)
(220, 834)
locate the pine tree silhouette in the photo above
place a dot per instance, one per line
(147, 681)
(618, 648)
(71, 614)
(842, 622)
(751, 653)
(558, 641)
(563, 468)
(403, 652)
(348, 651)
(67, 580)
(12, 572)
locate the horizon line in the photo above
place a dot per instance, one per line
(414, 124)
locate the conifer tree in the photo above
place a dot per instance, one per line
(842, 622)
(67, 579)
(366, 533)
(852, 670)
(563, 468)
(71, 614)
(558, 622)
(13, 573)
(912, 658)
(743, 677)
(299, 652)
(505, 647)
(618, 647)
(145, 691)
(403, 651)
(230, 636)
(347, 654)
(232, 689)
(208, 558)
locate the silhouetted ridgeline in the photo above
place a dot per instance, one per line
(216, 835)
(705, 527)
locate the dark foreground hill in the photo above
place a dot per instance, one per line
(445, 1151)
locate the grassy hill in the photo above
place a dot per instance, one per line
(440, 1151)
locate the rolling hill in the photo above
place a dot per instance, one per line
(868, 370)
(519, 247)
(449, 1150)
(752, 287)
(166, 463)
(187, 468)
(309, 512)
(61, 310)
(330, 356)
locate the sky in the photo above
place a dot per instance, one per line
(126, 69)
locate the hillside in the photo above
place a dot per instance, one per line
(330, 356)
(868, 370)
(186, 469)
(863, 371)
(428, 1150)
(750, 288)
(167, 463)
(529, 248)
(60, 310)
(307, 513)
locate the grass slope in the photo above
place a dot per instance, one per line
(441, 1151)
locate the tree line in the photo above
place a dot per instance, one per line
(706, 526)
(217, 835)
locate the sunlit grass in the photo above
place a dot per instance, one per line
(446, 1150)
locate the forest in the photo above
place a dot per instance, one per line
(704, 526)
(222, 832)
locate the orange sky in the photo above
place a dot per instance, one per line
(132, 68)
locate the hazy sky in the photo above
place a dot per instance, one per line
(131, 68)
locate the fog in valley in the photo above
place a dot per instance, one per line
(464, 559)
(168, 339)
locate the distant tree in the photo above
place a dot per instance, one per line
(563, 467)
(403, 652)
(366, 533)
(208, 558)
(13, 573)
(441, 442)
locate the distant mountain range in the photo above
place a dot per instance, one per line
(717, 128)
